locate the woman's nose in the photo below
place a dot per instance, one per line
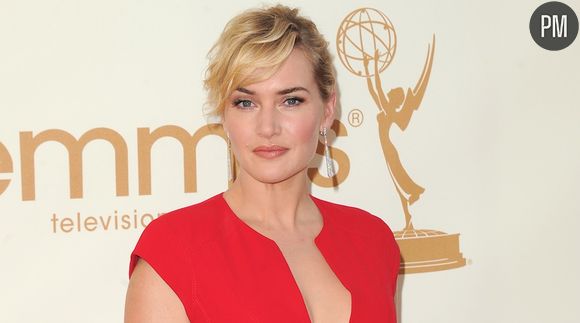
(268, 123)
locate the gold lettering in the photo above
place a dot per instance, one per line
(338, 155)
(91, 223)
(5, 167)
(54, 219)
(29, 144)
(145, 216)
(147, 139)
(126, 219)
(66, 225)
(105, 223)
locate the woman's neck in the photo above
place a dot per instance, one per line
(284, 205)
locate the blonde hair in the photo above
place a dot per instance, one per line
(263, 39)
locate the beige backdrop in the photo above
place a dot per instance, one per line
(495, 144)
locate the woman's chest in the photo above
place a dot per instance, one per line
(325, 297)
(249, 281)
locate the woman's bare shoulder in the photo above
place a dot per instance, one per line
(149, 298)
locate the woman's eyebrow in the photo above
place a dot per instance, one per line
(292, 89)
(244, 90)
(281, 92)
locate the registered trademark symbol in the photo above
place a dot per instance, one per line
(355, 117)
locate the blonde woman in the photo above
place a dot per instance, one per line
(266, 250)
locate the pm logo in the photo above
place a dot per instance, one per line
(366, 43)
(554, 26)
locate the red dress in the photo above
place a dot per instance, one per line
(223, 271)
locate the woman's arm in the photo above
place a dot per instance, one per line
(150, 299)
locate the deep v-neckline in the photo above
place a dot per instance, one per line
(326, 222)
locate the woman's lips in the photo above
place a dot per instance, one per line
(270, 152)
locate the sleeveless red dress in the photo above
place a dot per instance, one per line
(223, 271)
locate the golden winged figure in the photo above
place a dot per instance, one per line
(397, 107)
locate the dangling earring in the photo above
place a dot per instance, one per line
(229, 161)
(327, 159)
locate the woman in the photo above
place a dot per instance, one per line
(266, 250)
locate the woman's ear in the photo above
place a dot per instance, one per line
(329, 111)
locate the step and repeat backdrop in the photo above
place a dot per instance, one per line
(465, 139)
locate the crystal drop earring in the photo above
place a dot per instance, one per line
(329, 164)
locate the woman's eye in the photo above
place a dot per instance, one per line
(293, 101)
(244, 104)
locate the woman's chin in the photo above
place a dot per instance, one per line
(274, 176)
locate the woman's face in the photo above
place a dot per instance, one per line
(273, 125)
